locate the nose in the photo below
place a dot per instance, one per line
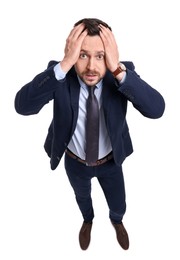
(91, 64)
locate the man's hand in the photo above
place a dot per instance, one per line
(73, 47)
(111, 48)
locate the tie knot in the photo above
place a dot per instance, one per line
(91, 89)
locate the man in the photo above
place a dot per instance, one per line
(95, 148)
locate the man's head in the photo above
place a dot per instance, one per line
(91, 65)
(92, 25)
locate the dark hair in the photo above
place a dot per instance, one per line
(91, 24)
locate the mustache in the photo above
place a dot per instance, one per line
(91, 72)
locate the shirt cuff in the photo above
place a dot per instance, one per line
(123, 79)
(59, 73)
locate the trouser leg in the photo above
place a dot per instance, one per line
(80, 180)
(112, 183)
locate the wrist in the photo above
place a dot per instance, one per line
(121, 76)
(119, 70)
(65, 65)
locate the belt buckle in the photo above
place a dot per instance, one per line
(90, 164)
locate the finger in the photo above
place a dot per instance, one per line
(108, 38)
(83, 35)
(76, 31)
(106, 32)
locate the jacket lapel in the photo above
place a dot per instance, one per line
(74, 97)
(107, 93)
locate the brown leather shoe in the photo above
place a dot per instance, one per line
(122, 235)
(85, 235)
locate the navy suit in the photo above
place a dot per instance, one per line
(65, 93)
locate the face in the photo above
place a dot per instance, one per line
(91, 66)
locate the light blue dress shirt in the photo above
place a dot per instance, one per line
(77, 143)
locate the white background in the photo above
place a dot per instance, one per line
(39, 218)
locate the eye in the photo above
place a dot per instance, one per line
(100, 56)
(83, 56)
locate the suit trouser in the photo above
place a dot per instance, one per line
(111, 180)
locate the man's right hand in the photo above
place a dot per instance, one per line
(73, 47)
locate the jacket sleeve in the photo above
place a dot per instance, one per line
(35, 94)
(147, 100)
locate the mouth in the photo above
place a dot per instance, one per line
(90, 76)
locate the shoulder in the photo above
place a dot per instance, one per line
(52, 63)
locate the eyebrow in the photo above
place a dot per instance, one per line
(98, 52)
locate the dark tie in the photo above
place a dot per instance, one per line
(92, 127)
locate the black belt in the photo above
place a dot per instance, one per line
(98, 162)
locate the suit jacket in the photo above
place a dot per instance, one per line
(65, 93)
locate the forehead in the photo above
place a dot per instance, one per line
(92, 44)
